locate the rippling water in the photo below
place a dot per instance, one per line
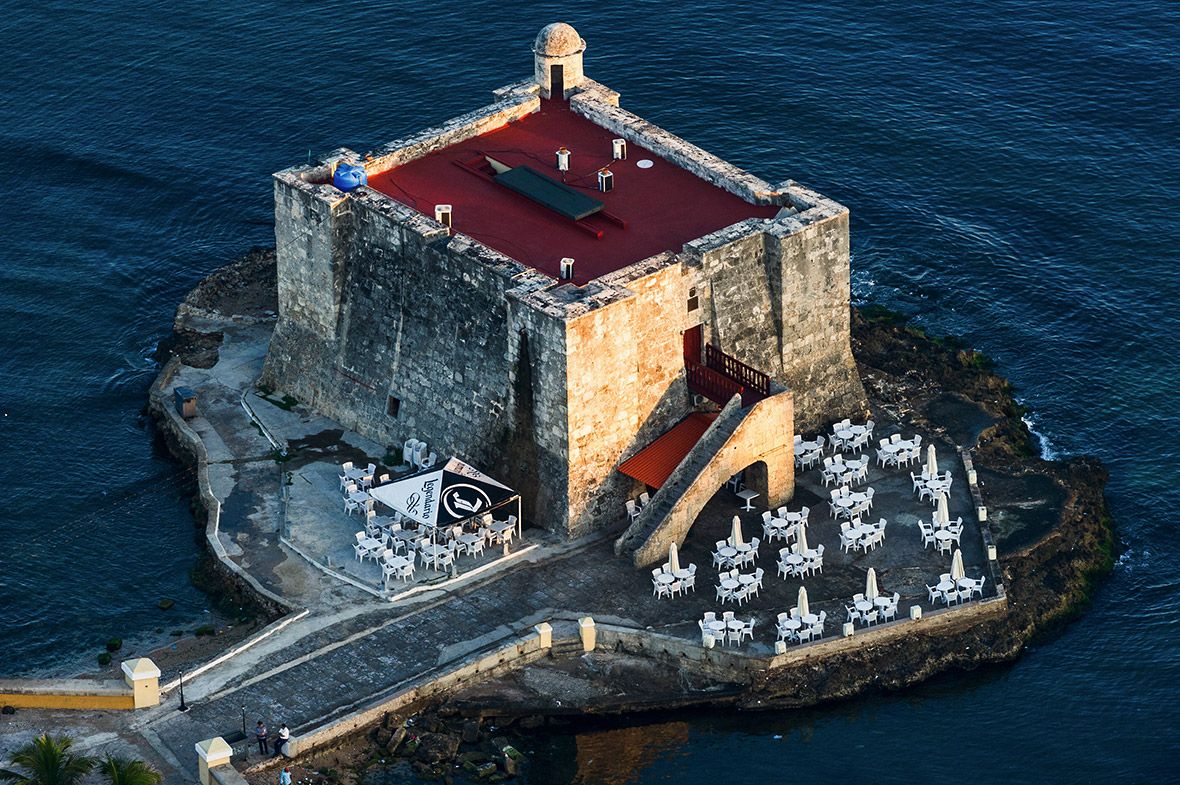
(1012, 171)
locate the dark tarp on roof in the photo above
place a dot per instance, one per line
(547, 192)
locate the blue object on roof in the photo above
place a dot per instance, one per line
(349, 176)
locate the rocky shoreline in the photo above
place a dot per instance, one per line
(1052, 530)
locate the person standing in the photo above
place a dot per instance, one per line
(281, 741)
(285, 776)
(261, 734)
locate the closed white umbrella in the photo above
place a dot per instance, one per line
(735, 537)
(801, 543)
(673, 559)
(942, 513)
(803, 608)
(931, 461)
(871, 585)
(957, 571)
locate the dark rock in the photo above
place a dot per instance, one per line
(165, 604)
(384, 735)
(395, 739)
(437, 747)
(8, 710)
(471, 731)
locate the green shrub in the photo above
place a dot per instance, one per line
(104, 659)
(114, 644)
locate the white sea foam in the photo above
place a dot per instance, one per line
(1048, 452)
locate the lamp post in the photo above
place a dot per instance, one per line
(183, 706)
(245, 739)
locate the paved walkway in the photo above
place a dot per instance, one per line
(353, 648)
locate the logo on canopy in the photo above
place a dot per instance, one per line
(462, 500)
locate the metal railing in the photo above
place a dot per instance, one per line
(713, 385)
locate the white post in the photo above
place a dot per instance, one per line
(982, 513)
(780, 647)
(545, 630)
(143, 677)
(708, 641)
(588, 633)
(915, 612)
(991, 553)
(212, 753)
(849, 629)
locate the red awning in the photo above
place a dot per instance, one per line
(656, 461)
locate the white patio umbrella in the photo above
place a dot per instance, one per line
(673, 559)
(871, 585)
(801, 543)
(942, 513)
(802, 603)
(931, 461)
(736, 535)
(957, 571)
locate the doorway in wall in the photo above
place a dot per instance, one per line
(692, 344)
(557, 81)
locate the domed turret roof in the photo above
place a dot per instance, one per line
(558, 40)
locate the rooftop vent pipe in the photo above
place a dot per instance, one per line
(619, 147)
(563, 160)
(606, 180)
(567, 269)
(442, 214)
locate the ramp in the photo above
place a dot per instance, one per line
(738, 437)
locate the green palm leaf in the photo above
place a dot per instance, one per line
(125, 771)
(47, 760)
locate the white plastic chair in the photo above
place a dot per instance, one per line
(345, 468)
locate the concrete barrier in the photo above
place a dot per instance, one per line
(139, 689)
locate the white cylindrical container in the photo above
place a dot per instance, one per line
(443, 214)
(563, 160)
(567, 269)
(606, 180)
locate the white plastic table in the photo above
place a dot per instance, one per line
(945, 586)
(747, 496)
(431, 553)
(665, 578)
(729, 584)
(794, 559)
(747, 579)
(805, 447)
(863, 605)
(810, 619)
(728, 552)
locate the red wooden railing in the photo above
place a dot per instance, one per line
(736, 370)
(711, 384)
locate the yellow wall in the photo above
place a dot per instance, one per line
(23, 700)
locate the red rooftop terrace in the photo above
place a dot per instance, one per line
(649, 210)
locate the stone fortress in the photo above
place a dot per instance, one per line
(575, 300)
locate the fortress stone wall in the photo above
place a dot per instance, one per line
(396, 328)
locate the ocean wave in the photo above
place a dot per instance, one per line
(1048, 451)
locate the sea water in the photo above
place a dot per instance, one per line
(1013, 176)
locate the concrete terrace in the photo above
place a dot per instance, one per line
(352, 648)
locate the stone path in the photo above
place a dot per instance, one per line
(353, 648)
